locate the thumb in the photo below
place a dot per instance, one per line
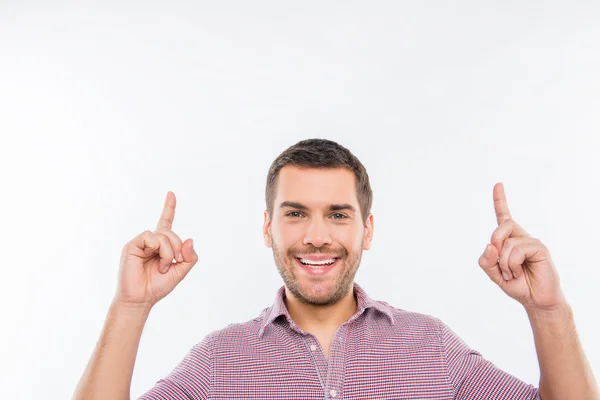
(189, 258)
(488, 261)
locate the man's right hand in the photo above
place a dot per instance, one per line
(147, 272)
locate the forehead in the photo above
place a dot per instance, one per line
(316, 186)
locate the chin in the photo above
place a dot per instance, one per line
(318, 294)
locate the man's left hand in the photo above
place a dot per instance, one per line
(519, 263)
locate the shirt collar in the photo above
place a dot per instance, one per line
(362, 299)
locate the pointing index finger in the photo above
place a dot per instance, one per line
(168, 213)
(500, 204)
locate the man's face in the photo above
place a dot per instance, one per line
(317, 232)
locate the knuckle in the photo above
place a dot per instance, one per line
(505, 218)
(128, 246)
(168, 233)
(148, 235)
(164, 222)
(163, 230)
(175, 236)
(520, 249)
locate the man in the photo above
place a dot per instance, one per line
(324, 337)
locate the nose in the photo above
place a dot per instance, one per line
(317, 233)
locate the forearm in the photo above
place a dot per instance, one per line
(108, 374)
(564, 370)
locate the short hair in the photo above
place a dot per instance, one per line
(321, 153)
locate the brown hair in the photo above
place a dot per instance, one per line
(321, 153)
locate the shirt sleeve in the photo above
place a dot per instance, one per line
(190, 380)
(474, 378)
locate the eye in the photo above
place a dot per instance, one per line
(294, 214)
(339, 216)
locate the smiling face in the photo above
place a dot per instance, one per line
(317, 233)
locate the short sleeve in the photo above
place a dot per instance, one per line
(473, 377)
(191, 379)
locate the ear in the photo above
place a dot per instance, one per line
(368, 233)
(267, 230)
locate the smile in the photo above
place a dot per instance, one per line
(313, 267)
(306, 261)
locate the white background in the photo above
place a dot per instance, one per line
(104, 108)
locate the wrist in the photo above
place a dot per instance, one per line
(548, 304)
(558, 313)
(122, 307)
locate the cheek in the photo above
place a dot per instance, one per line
(349, 237)
(287, 234)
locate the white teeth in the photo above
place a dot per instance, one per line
(324, 262)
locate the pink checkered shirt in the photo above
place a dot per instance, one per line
(381, 352)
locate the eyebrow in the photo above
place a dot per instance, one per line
(332, 207)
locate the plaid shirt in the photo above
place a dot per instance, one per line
(381, 352)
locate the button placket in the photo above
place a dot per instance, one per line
(317, 358)
(336, 363)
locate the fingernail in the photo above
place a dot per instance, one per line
(487, 251)
(165, 268)
(180, 257)
(192, 243)
(505, 276)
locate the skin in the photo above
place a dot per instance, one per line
(148, 273)
(153, 263)
(317, 304)
(519, 263)
(522, 267)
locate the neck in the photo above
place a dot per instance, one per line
(312, 318)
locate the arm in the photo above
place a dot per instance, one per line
(522, 267)
(564, 370)
(146, 275)
(108, 374)
(191, 379)
(473, 377)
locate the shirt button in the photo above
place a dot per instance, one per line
(313, 347)
(333, 393)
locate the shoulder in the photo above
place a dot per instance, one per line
(235, 332)
(409, 327)
(406, 319)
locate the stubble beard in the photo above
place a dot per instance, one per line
(344, 281)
